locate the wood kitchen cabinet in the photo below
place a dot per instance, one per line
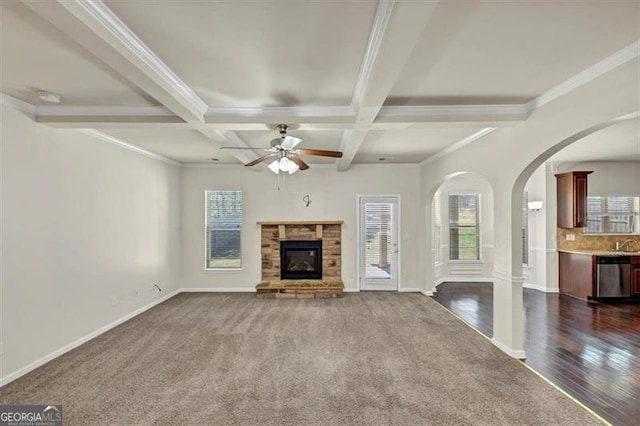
(577, 275)
(635, 275)
(572, 199)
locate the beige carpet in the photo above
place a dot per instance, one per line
(370, 358)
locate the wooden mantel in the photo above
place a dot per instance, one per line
(282, 225)
(300, 222)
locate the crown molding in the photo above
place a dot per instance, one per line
(381, 19)
(15, 103)
(119, 142)
(610, 63)
(101, 14)
(464, 142)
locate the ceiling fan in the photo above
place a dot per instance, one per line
(285, 155)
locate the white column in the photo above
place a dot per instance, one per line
(508, 321)
(551, 220)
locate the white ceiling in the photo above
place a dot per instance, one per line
(401, 81)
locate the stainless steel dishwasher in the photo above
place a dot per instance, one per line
(613, 276)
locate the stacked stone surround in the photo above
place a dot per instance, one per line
(331, 285)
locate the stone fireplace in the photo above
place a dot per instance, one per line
(301, 259)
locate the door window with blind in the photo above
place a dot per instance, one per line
(613, 214)
(378, 242)
(223, 213)
(464, 226)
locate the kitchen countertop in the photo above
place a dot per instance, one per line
(602, 252)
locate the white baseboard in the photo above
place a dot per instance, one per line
(219, 290)
(464, 280)
(351, 290)
(511, 352)
(55, 354)
(410, 290)
(541, 288)
(428, 292)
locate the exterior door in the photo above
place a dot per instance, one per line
(378, 242)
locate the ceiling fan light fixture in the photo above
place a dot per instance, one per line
(274, 166)
(288, 166)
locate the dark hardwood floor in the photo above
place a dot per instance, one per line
(590, 350)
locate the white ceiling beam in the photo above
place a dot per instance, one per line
(446, 113)
(389, 117)
(396, 30)
(276, 115)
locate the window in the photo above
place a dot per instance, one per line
(223, 213)
(525, 228)
(436, 213)
(613, 214)
(464, 226)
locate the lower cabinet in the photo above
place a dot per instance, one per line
(635, 276)
(577, 275)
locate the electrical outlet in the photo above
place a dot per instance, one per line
(136, 293)
(571, 237)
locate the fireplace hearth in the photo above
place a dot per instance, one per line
(301, 259)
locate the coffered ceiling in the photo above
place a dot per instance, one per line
(391, 81)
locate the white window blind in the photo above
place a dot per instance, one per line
(464, 229)
(612, 214)
(525, 228)
(223, 229)
(437, 227)
(378, 234)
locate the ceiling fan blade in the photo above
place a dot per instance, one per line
(260, 160)
(320, 153)
(290, 142)
(299, 162)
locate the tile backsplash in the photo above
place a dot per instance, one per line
(593, 242)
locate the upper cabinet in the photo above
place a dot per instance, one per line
(572, 199)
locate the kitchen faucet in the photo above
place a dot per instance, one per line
(620, 245)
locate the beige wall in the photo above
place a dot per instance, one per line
(333, 195)
(87, 229)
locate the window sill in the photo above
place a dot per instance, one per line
(458, 262)
(221, 269)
